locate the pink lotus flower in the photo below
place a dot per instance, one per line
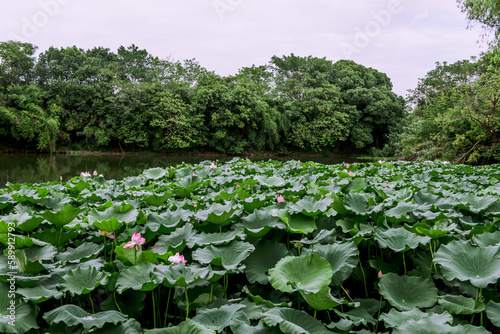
(101, 175)
(299, 161)
(380, 161)
(95, 173)
(86, 174)
(136, 241)
(281, 199)
(213, 166)
(194, 174)
(347, 165)
(108, 234)
(177, 259)
(238, 185)
(344, 170)
(351, 173)
(380, 274)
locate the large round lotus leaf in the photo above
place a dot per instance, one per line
(217, 318)
(460, 260)
(493, 312)
(180, 274)
(407, 292)
(260, 222)
(475, 203)
(166, 222)
(343, 258)
(460, 304)
(259, 300)
(396, 318)
(24, 314)
(399, 239)
(138, 277)
(310, 206)
(45, 253)
(265, 257)
(250, 204)
(157, 199)
(357, 203)
(86, 250)
(273, 181)
(487, 239)
(62, 217)
(131, 326)
(291, 321)
(308, 273)
(83, 280)
(30, 223)
(426, 326)
(108, 225)
(322, 300)
(227, 256)
(402, 212)
(120, 211)
(133, 181)
(38, 294)
(219, 214)
(298, 223)
(25, 265)
(130, 302)
(155, 173)
(203, 239)
(188, 326)
(176, 241)
(73, 315)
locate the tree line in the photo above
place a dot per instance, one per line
(98, 99)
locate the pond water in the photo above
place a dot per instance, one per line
(19, 168)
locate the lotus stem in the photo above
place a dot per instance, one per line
(211, 293)
(166, 311)
(347, 294)
(364, 277)
(59, 242)
(378, 316)
(154, 308)
(315, 314)
(116, 304)
(187, 302)
(404, 262)
(91, 303)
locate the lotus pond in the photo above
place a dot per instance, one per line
(255, 247)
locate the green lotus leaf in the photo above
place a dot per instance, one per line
(38, 294)
(436, 231)
(309, 273)
(487, 239)
(83, 280)
(476, 204)
(23, 220)
(259, 300)
(33, 196)
(250, 204)
(270, 182)
(217, 318)
(176, 241)
(77, 186)
(36, 253)
(131, 302)
(260, 328)
(53, 237)
(460, 260)
(155, 173)
(108, 225)
(426, 326)
(20, 241)
(260, 222)
(407, 292)
(157, 199)
(73, 315)
(25, 265)
(180, 274)
(322, 300)
(203, 239)
(310, 206)
(291, 321)
(396, 318)
(399, 239)
(401, 212)
(131, 326)
(357, 203)
(130, 256)
(62, 217)
(122, 212)
(139, 277)
(219, 214)
(460, 304)
(298, 223)
(343, 257)
(228, 256)
(265, 257)
(87, 250)
(187, 326)
(168, 221)
(23, 314)
(493, 312)
(133, 181)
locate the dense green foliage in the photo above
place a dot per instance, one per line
(269, 247)
(98, 99)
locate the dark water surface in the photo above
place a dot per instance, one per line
(19, 168)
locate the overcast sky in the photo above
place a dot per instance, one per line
(402, 38)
